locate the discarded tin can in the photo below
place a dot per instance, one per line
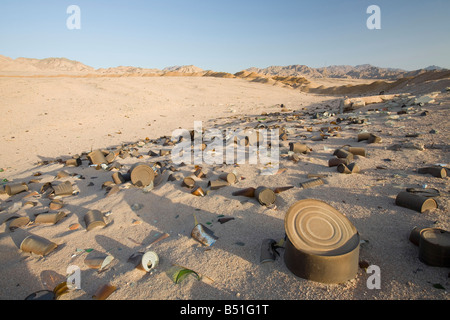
(363, 136)
(189, 182)
(164, 152)
(229, 177)
(110, 157)
(97, 157)
(56, 204)
(374, 139)
(18, 222)
(267, 251)
(37, 245)
(415, 201)
(94, 219)
(351, 168)
(63, 189)
(265, 196)
(426, 192)
(297, 147)
(343, 154)
(436, 171)
(217, 184)
(118, 178)
(434, 247)
(203, 235)
(76, 162)
(141, 175)
(145, 261)
(14, 189)
(414, 235)
(199, 173)
(333, 162)
(322, 244)
(311, 183)
(357, 151)
(49, 218)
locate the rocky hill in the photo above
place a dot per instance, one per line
(364, 71)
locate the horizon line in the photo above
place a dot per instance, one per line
(194, 65)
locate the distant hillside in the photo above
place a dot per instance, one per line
(67, 66)
(127, 70)
(365, 71)
(52, 65)
(299, 77)
(183, 69)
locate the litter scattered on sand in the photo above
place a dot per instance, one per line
(139, 226)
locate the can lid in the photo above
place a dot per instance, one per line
(149, 260)
(315, 227)
(436, 236)
(189, 182)
(265, 196)
(231, 178)
(434, 247)
(142, 175)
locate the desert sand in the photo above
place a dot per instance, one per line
(48, 120)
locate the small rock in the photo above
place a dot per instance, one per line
(136, 206)
(424, 100)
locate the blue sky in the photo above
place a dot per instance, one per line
(229, 35)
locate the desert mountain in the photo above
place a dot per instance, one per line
(64, 65)
(300, 77)
(183, 69)
(364, 71)
(47, 64)
(127, 70)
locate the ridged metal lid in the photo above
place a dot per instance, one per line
(315, 227)
(434, 247)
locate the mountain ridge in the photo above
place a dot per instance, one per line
(362, 71)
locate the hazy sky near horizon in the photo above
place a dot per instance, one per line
(229, 35)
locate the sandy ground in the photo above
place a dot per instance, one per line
(45, 119)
